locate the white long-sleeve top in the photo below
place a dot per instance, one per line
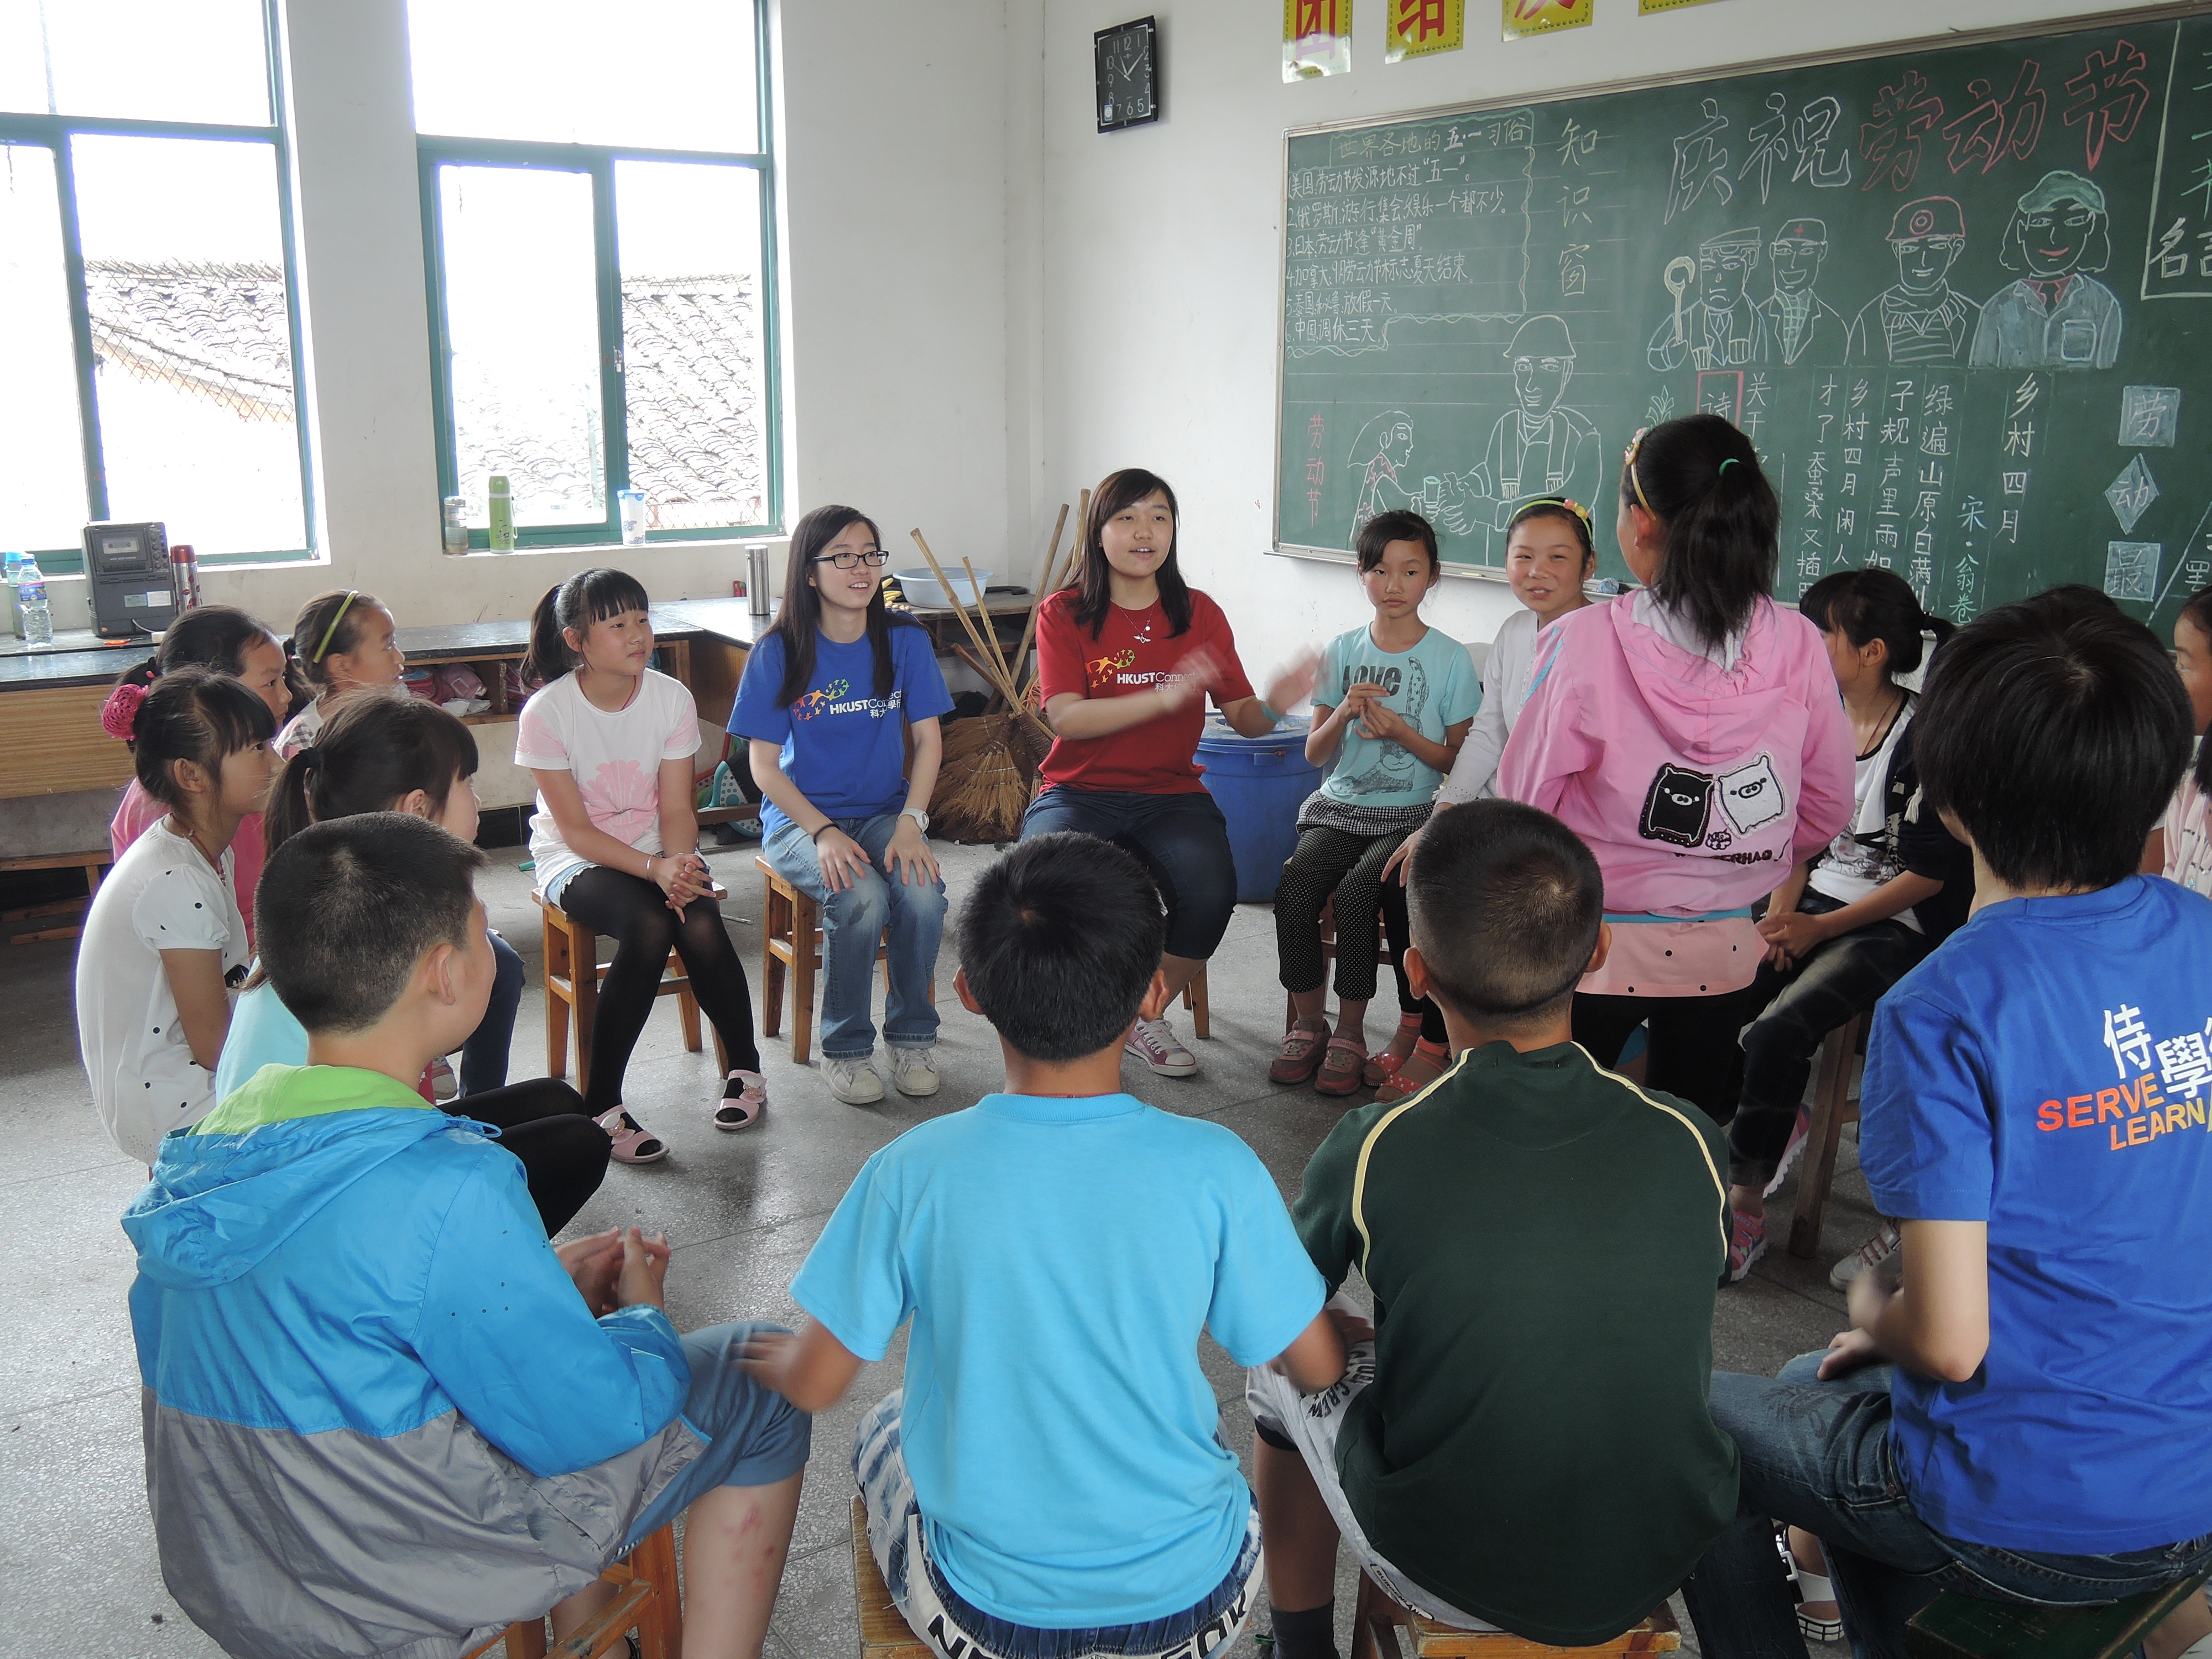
(1504, 690)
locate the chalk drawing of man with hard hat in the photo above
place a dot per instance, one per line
(1922, 320)
(1724, 328)
(1539, 447)
(1805, 328)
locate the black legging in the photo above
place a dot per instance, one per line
(1696, 1051)
(563, 1153)
(1397, 928)
(635, 912)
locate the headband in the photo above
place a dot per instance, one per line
(1635, 483)
(118, 715)
(1554, 504)
(344, 606)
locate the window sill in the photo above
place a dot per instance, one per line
(612, 549)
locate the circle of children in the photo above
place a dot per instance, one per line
(384, 1416)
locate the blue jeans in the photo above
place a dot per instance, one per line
(851, 922)
(484, 1056)
(1182, 839)
(1817, 1455)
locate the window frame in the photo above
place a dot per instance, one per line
(54, 133)
(597, 162)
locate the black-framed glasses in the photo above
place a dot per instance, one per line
(875, 559)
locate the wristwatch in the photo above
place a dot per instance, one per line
(921, 818)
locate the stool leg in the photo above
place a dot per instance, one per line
(1374, 1623)
(806, 946)
(584, 975)
(776, 924)
(526, 1640)
(661, 1622)
(556, 1006)
(1193, 998)
(1822, 1135)
(687, 1009)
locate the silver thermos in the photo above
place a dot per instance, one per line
(757, 577)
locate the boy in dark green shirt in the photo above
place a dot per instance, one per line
(1525, 1442)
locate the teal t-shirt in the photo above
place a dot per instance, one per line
(1431, 686)
(263, 1032)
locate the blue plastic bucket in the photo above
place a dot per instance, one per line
(1259, 783)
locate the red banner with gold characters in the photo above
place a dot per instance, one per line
(1415, 29)
(1318, 37)
(1527, 17)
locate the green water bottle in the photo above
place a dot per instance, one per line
(502, 513)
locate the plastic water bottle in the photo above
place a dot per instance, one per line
(13, 563)
(31, 599)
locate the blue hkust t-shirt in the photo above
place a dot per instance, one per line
(1059, 1259)
(2048, 1072)
(844, 746)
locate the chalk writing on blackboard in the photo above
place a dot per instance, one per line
(2132, 569)
(2131, 494)
(2149, 415)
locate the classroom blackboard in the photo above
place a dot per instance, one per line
(1959, 294)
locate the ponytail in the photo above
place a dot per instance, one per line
(379, 747)
(1870, 605)
(1700, 478)
(587, 596)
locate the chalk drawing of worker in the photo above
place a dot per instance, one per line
(1380, 452)
(1804, 327)
(1725, 327)
(1922, 320)
(1540, 448)
(2056, 315)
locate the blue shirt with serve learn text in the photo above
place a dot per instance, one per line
(843, 745)
(2048, 1072)
(1059, 1259)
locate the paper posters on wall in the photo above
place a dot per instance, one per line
(1648, 7)
(1416, 29)
(1316, 37)
(1527, 17)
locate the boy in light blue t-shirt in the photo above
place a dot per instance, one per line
(1054, 1462)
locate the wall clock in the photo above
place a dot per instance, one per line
(1128, 75)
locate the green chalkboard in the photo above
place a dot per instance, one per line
(1959, 294)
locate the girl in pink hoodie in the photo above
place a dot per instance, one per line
(1690, 732)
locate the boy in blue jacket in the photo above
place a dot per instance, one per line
(380, 1417)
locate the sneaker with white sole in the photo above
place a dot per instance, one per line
(855, 1081)
(1793, 1152)
(914, 1070)
(1872, 1253)
(1154, 1042)
(1747, 1243)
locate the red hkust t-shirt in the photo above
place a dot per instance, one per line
(1133, 653)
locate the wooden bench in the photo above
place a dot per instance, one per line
(91, 863)
(1954, 1626)
(572, 973)
(884, 1633)
(1378, 1620)
(1835, 1102)
(645, 1601)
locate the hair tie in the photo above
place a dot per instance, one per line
(351, 595)
(1725, 466)
(310, 756)
(118, 715)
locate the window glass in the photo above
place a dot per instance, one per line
(650, 74)
(524, 364)
(184, 271)
(692, 350)
(42, 499)
(145, 60)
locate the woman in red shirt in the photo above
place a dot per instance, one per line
(1127, 656)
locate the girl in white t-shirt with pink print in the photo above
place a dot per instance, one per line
(610, 743)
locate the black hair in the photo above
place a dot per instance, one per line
(346, 909)
(2068, 600)
(2055, 736)
(378, 748)
(1094, 578)
(1700, 477)
(1556, 506)
(198, 715)
(1059, 941)
(1403, 525)
(330, 625)
(1874, 604)
(1506, 903)
(801, 612)
(215, 636)
(587, 596)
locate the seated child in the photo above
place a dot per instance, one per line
(1525, 1443)
(1060, 1248)
(2042, 1425)
(381, 1418)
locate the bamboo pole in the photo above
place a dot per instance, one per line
(1037, 599)
(990, 627)
(966, 621)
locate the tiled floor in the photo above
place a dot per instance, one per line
(77, 1567)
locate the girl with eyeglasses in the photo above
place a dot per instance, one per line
(827, 698)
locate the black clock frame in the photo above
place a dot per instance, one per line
(1112, 89)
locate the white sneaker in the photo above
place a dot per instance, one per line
(1872, 1253)
(914, 1070)
(445, 1082)
(854, 1081)
(1154, 1042)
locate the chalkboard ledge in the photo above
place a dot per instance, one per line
(1600, 587)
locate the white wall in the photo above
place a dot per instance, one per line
(1161, 246)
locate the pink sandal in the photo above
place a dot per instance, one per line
(743, 1110)
(1381, 1064)
(1340, 1066)
(1300, 1053)
(1396, 1086)
(633, 1144)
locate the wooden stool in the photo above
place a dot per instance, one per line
(91, 863)
(789, 916)
(1376, 1625)
(1954, 1626)
(646, 1602)
(884, 1633)
(1835, 1102)
(572, 973)
(1193, 998)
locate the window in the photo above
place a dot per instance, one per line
(149, 338)
(597, 210)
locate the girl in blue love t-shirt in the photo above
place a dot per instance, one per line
(821, 706)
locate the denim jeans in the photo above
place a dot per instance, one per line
(1817, 1455)
(484, 1056)
(851, 922)
(1181, 838)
